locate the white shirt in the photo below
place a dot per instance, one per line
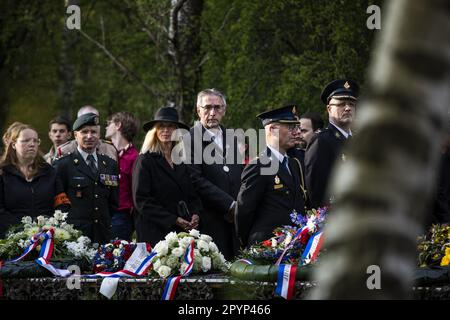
(279, 156)
(216, 136)
(85, 155)
(342, 131)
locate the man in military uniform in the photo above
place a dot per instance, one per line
(325, 148)
(271, 185)
(90, 180)
(103, 146)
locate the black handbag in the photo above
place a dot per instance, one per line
(183, 211)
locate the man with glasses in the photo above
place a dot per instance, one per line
(271, 185)
(325, 148)
(215, 174)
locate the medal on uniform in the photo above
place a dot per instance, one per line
(225, 168)
(277, 180)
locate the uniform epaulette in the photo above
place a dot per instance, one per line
(108, 142)
(106, 155)
(63, 156)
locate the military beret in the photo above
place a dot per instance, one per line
(284, 114)
(340, 89)
(88, 119)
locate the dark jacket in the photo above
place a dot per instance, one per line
(217, 189)
(20, 198)
(321, 154)
(439, 210)
(94, 198)
(265, 201)
(157, 190)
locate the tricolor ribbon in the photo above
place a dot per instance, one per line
(313, 247)
(286, 281)
(298, 235)
(34, 243)
(172, 282)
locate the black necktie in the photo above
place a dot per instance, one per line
(285, 164)
(91, 160)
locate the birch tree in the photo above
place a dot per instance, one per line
(383, 187)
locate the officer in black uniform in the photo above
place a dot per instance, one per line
(271, 185)
(325, 148)
(90, 180)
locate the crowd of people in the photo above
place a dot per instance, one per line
(111, 189)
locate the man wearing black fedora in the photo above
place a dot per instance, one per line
(325, 148)
(217, 182)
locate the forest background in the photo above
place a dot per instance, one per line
(140, 55)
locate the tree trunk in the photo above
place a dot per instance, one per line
(383, 187)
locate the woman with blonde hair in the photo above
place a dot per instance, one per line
(28, 185)
(163, 193)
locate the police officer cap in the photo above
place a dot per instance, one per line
(340, 89)
(284, 114)
(88, 119)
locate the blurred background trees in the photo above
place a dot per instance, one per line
(139, 55)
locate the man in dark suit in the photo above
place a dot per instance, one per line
(215, 172)
(90, 180)
(325, 148)
(271, 185)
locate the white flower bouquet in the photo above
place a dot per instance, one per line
(68, 242)
(171, 250)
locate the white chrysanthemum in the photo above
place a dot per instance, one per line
(60, 216)
(171, 238)
(177, 252)
(195, 233)
(172, 262)
(161, 248)
(213, 247)
(205, 238)
(164, 271)
(26, 220)
(61, 234)
(32, 231)
(202, 245)
(84, 240)
(206, 264)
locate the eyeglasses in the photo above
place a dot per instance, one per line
(31, 140)
(343, 104)
(209, 107)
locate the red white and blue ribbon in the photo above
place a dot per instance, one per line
(34, 243)
(313, 247)
(172, 282)
(47, 245)
(298, 235)
(286, 281)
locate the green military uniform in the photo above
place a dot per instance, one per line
(93, 195)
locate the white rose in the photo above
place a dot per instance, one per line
(157, 264)
(194, 233)
(274, 242)
(61, 234)
(171, 238)
(185, 242)
(288, 239)
(206, 264)
(205, 238)
(161, 248)
(164, 271)
(202, 245)
(40, 220)
(177, 252)
(213, 247)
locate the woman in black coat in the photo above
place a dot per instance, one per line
(28, 185)
(160, 187)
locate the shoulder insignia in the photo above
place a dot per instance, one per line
(75, 161)
(338, 135)
(107, 141)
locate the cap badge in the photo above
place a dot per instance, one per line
(277, 180)
(346, 85)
